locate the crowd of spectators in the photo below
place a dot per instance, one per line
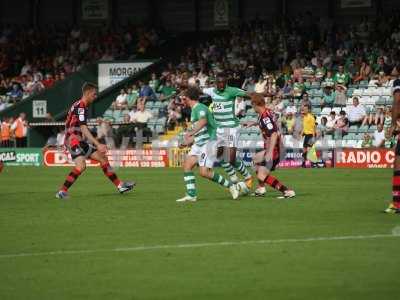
(32, 60)
(286, 61)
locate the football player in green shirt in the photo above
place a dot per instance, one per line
(203, 151)
(223, 98)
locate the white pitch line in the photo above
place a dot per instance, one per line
(202, 245)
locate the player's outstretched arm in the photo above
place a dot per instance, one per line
(198, 126)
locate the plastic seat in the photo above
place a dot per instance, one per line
(316, 111)
(353, 129)
(326, 111)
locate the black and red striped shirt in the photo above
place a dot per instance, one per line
(77, 116)
(267, 124)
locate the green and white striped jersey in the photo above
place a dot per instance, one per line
(224, 105)
(208, 132)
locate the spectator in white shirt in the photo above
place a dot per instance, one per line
(379, 137)
(331, 120)
(356, 113)
(140, 119)
(141, 116)
(121, 101)
(291, 108)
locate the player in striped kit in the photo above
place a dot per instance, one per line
(203, 150)
(223, 106)
(81, 144)
(268, 159)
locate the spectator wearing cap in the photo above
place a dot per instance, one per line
(356, 113)
(340, 95)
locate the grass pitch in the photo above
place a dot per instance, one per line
(143, 245)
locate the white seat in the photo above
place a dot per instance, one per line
(364, 100)
(387, 91)
(350, 143)
(374, 99)
(368, 92)
(326, 111)
(376, 92)
(332, 143)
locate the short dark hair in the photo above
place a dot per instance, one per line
(192, 92)
(87, 86)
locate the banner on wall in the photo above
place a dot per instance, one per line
(94, 9)
(221, 13)
(21, 156)
(293, 158)
(355, 3)
(111, 73)
(117, 158)
(364, 158)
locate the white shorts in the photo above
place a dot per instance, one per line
(206, 154)
(228, 137)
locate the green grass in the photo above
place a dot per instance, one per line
(330, 203)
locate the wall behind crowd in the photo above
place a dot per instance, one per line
(185, 15)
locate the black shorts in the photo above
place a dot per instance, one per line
(308, 140)
(83, 149)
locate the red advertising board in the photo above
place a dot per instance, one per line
(364, 158)
(119, 158)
